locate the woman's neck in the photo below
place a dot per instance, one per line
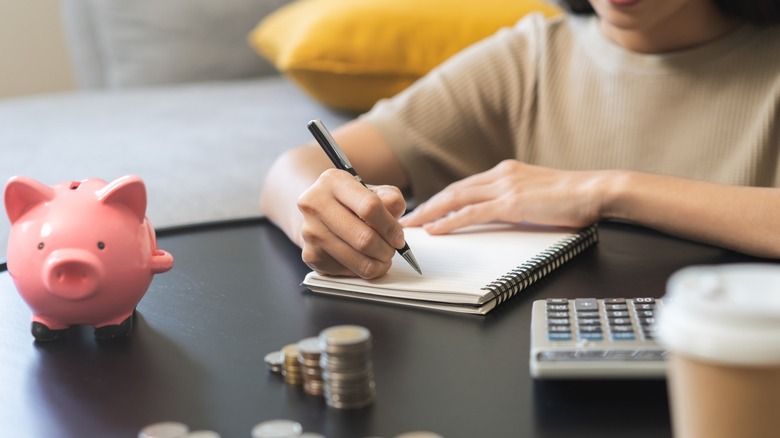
(693, 24)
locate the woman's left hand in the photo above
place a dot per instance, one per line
(514, 191)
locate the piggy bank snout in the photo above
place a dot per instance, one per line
(72, 273)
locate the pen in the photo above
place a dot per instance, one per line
(340, 160)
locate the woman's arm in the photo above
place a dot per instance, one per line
(739, 218)
(342, 227)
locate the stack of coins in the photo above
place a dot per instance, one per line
(309, 353)
(291, 371)
(346, 366)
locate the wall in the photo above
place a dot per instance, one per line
(33, 55)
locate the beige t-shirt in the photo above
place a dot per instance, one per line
(557, 93)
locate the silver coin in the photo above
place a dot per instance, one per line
(203, 434)
(274, 361)
(277, 429)
(344, 336)
(164, 429)
(309, 346)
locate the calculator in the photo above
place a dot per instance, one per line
(601, 338)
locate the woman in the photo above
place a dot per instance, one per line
(664, 113)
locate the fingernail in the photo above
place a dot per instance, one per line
(398, 240)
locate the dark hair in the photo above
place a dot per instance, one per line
(753, 11)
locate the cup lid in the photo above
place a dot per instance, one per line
(723, 313)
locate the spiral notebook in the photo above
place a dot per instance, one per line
(472, 270)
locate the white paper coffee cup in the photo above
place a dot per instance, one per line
(721, 327)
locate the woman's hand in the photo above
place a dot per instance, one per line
(348, 229)
(514, 191)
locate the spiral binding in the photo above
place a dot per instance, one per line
(509, 284)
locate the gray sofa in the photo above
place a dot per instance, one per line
(169, 91)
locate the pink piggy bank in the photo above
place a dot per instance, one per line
(81, 253)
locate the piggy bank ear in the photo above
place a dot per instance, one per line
(129, 191)
(22, 194)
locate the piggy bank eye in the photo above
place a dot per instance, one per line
(40, 245)
(101, 245)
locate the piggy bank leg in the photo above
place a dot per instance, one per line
(44, 330)
(112, 331)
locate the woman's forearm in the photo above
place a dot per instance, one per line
(290, 175)
(745, 219)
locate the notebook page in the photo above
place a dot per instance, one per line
(455, 266)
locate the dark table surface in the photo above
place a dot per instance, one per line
(203, 329)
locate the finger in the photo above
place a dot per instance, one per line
(330, 225)
(322, 263)
(337, 199)
(446, 202)
(371, 209)
(326, 253)
(470, 215)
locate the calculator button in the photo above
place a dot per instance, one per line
(621, 328)
(623, 336)
(589, 329)
(618, 314)
(620, 321)
(557, 314)
(589, 321)
(557, 301)
(616, 306)
(588, 314)
(559, 328)
(644, 300)
(553, 336)
(614, 300)
(644, 306)
(558, 307)
(586, 304)
(558, 321)
(645, 313)
(592, 336)
(646, 321)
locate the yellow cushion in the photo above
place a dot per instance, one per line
(348, 54)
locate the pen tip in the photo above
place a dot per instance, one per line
(409, 257)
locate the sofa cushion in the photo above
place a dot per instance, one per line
(350, 53)
(118, 43)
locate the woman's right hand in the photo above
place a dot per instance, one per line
(348, 229)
